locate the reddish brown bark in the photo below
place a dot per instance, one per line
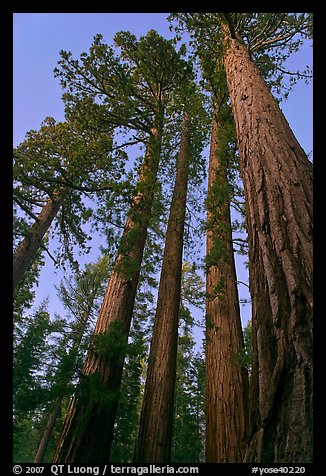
(226, 379)
(277, 180)
(28, 247)
(155, 433)
(87, 433)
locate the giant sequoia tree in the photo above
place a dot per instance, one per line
(156, 423)
(278, 185)
(155, 434)
(277, 180)
(131, 95)
(155, 70)
(226, 380)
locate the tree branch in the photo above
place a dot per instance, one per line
(71, 185)
(43, 247)
(23, 207)
(244, 284)
(230, 23)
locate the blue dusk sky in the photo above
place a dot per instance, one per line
(37, 41)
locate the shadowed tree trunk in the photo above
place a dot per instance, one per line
(277, 178)
(155, 433)
(28, 247)
(48, 430)
(87, 433)
(226, 395)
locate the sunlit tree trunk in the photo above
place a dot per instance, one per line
(277, 178)
(87, 433)
(155, 433)
(226, 378)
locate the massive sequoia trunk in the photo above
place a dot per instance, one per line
(28, 247)
(87, 433)
(277, 178)
(226, 379)
(155, 433)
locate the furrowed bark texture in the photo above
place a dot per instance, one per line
(87, 433)
(226, 391)
(155, 433)
(28, 247)
(277, 179)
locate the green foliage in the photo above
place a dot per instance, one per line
(209, 321)
(92, 393)
(132, 385)
(123, 90)
(244, 358)
(225, 189)
(247, 337)
(218, 254)
(24, 293)
(127, 267)
(98, 395)
(49, 354)
(192, 286)
(34, 359)
(271, 39)
(64, 159)
(130, 399)
(121, 95)
(113, 345)
(30, 349)
(80, 295)
(218, 291)
(25, 438)
(80, 292)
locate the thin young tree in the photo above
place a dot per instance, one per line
(88, 429)
(33, 344)
(79, 295)
(188, 443)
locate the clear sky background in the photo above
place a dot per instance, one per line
(37, 41)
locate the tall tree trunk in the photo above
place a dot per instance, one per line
(87, 433)
(277, 178)
(155, 432)
(28, 247)
(226, 379)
